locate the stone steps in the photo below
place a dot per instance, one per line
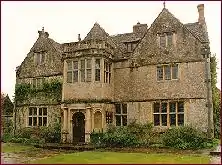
(216, 152)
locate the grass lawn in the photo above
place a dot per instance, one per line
(118, 157)
(15, 147)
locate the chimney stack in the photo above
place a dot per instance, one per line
(140, 28)
(43, 33)
(79, 38)
(201, 18)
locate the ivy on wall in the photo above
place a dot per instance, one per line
(216, 97)
(48, 89)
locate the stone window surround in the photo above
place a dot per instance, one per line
(166, 34)
(168, 113)
(107, 72)
(121, 114)
(39, 57)
(171, 72)
(109, 117)
(98, 69)
(37, 82)
(37, 116)
(93, 69)
(79, 69)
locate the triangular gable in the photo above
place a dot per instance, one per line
(166, 11)
(43, 43)
(96, 33)
(148, 51)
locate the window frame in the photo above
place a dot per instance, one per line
(40, 58)
(168, 113)
(37, 116)
(166, 38)
(107, 71)
(121, 114)
(88, 69)
(37, 82)
(163, 67)
(98, 69)
(109, 117)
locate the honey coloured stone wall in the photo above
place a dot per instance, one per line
(141, 83)
(195, 113)
(22, 113)
(94, 90)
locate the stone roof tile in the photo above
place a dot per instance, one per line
(198, 30)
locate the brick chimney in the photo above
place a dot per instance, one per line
(43, 33)
(201, 18)
(140, 28)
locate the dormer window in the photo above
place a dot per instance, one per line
(165, 40)
(129, 47)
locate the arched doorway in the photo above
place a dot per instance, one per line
(78, 123)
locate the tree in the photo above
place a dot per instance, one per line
(7, 106)
(215, 96)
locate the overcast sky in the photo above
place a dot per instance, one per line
(65, 20)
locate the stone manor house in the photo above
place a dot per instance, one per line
(153, 74)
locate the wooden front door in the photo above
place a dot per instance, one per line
(78, 127)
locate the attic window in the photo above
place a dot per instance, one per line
(129, 47)
(39, 58)
(165, 40)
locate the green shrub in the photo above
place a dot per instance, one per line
(25, 132)
(132, 135)
(143, 132)
(120, 138)
(96, 138)
(184, 138)
(6, 137)
(50, 134)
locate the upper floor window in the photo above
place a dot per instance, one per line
(166, 40)
(37, 82)
(168, 113)
(72, 71)
(39, 58)
(167, 72)
(121, 114)
(129, 47)
(88, 70)
(107, 72)
(97, 70)
(82, 70)
(37, 116)
(85, 70)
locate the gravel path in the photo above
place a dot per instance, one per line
(10, 158)
(14, 158)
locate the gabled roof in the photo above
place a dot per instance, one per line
(198, 30)
(42, 44)
(97, 32)
(120, 39)
(45, 44)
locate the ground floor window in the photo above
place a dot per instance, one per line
(170, 113)
(109, 117)
(37, 116)
(121, 114)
